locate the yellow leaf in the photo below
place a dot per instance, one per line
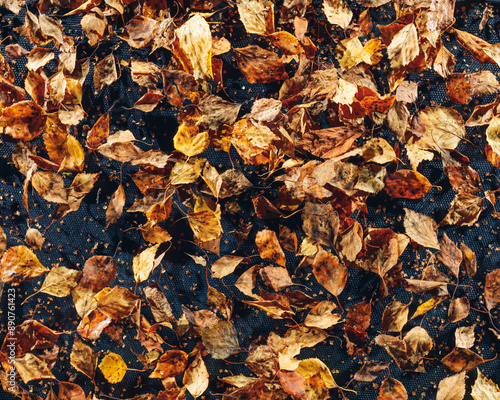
(189, 140)
(20, 264)
(427, 306)
(204, 222)
(312, 366)
(113, 368)
(60, 281)
(184, 172)
(404, 47)
(337, 13)
(144, 263)
(257, 16)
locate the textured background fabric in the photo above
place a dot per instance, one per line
(79, 235)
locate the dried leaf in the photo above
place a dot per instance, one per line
(60, 281)
(160, 306)
(404, 47)
(204, 222)
(220, 339)
(337, 13)
(370, 371)
(83, 358)
(450, 255)
(421, 228)
(329, 272)
(392, 389)
(321, 316)
(116, 303)
(196, 377)
(269, 247)
(484, 388)
(427, 306)
(462, 360)
(257, 16)
(115, 207)
(170, 364)
(464, 336)
(461, 88)
(24, 120)
(140, 31)
(19, 264)
(407, 184)
(491, 289)
(31, 368)
(259, 65)
(465, 209)
(193, 47)
(225, 266)
(395, 316)
(105, 73)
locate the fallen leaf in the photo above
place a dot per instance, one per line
(115, 207)
(140, 31)
(105, 72)
(60, 281)
(329, 272)
(337, 13)
(83, 358)
(196, 377)
(269, 247)
(484, 388)
(407, 184)
(257, 16)
(492, 289)
(19, 264)
(31, 368)
(404, 47)
(461, 88)
(370, 371)
(276, 277)
(24, 120)
(392, 389)
(462, 360)
(465, 209)
(113, 367)
(170, 364)
(193, 47)
(464, 336)
(98, 273)
(225, 266)
(321, 316)
(220, 339)
(116, 303)
(421, 229)
(259, 65)
(450, 255)
(395, 316)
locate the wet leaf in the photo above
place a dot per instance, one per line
(113, 367)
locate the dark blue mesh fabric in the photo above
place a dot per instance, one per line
(82, 234)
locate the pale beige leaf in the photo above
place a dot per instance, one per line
(421, 229)
(404, 47)
(145, 262)
(484, 388)
(337, 13)
(196, 377)
(254, 15)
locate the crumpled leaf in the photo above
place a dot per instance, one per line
(370, 371)
(337, 13)
(259, 65)
(321, 316)
(257, 16)
(119, 147)
(465, 209)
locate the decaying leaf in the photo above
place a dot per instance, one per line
(370, 371)
(269, 247)
(465, 209)
(321, 316)
(484, 388)
(329, 272)
(83, 358)
(259, 65)
(462, 360)
(257, 16)
(115, 207)
(450, 255)
(220, 339)
(492, 289)
(337, 13)
(392, 389)
(170, 364)
(407, 184)
(395, 316)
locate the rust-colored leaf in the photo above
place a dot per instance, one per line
(259, 65)
(407, 184)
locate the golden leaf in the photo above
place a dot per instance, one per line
(20, 264)
(113, 368)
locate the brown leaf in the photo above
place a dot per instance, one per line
(219, 303)
(287, 239)
(116, 303)
(259, 65)
(459, 309)
(276, 277)
(462, 360)
(320, 223)
(407, 184)
(170, 364)
(83, 358)
(395, 316)
(465, 209)
(140, 31)
(179, 86)
(329, 142)
(98, 273)
(149, 101)
(461, 88)
(329, 272)
(370, 371)
(80, 187)
(444, 63)
(31, 368)
(218, 112)
(463, 179)
(469, 261)
(115, 207)
(481, 50)
(492, 289)
(392, 389)
(205, 222)
(34, 239)
(225, 266)
(99, 132)
(160, 306)
(105, 72)
(94, 25)
(119, 147)
(421, 228)
(19, 264)
(70, 391)
(15, 51)
(269, 247)
(450, 255)
(293, 383)
(24, 120)
(50, 186)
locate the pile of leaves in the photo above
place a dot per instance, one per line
(267, 172)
